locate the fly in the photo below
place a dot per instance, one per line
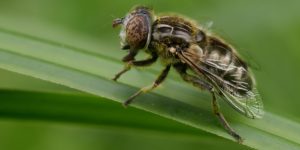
(182, 44)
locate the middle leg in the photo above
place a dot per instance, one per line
(157, 82)
(196, 81)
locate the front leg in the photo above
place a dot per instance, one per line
(157, 82)
(131, 62)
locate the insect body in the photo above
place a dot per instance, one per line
(183, 45)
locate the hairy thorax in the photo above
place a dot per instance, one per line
(173, 31)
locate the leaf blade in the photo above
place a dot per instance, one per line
(41, 109)
(48, 64)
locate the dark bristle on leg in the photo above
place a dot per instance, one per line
(156, 83)
(222, 119)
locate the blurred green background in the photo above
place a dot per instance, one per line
(267, 33)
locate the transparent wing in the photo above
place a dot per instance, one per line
(241, 94)
(249, 104)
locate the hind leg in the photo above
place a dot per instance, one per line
(202, 84)
(222, 119)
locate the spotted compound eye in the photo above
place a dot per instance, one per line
(138, 30)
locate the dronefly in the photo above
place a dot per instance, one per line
(180, 43)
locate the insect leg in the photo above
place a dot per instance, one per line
(132, 62)
(126, 68)
(222, 119)
(196, 81)
(157, 82)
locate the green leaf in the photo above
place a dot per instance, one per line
(14, 81)
(90, 72)
(82, 119)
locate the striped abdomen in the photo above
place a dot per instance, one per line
(221, 60)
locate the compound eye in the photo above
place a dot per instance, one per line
(137, 30)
